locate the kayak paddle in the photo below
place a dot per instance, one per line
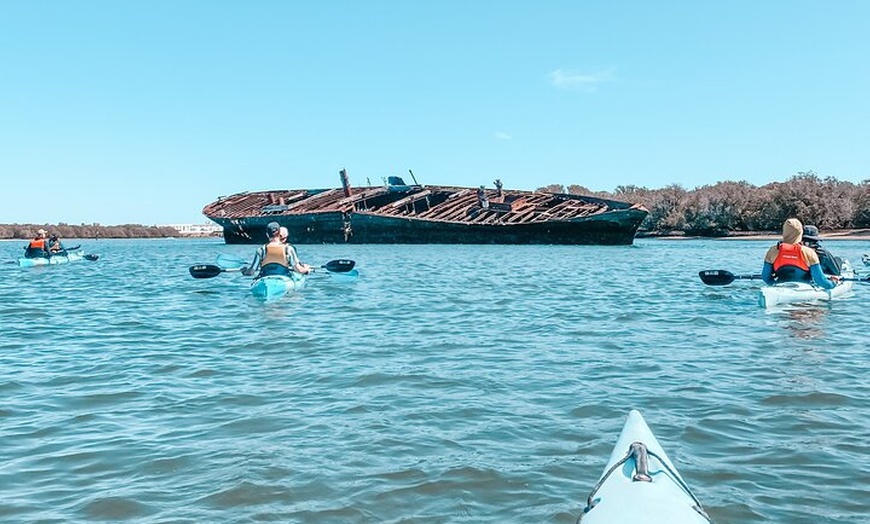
(720, 277)
(65, 253)
(224, 260)
(211, 270)
(339, 266)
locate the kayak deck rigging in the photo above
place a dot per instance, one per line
(639, 452)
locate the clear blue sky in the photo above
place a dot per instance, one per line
(145, 111)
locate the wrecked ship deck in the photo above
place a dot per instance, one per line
(415, 214)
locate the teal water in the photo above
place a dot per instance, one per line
(448, 384)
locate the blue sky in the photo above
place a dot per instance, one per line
(143, 112)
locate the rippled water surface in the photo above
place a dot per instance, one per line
(448, 384)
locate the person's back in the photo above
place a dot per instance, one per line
(54, 245)
(790, 263)
(273, 259)
(830, 264)
(38, 247)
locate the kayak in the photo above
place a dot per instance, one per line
(276, 286)
(71, 256)
(640, 484)
(798, 292)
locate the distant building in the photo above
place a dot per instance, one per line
(196, 230)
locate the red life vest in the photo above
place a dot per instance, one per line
(37, 243)
(790, 255)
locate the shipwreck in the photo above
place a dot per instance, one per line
(398, 213)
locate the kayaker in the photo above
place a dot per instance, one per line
(38, 247)
(830, 264)
(277, 257)
(55, 245)
(791, 261)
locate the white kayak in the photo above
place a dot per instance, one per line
(70, 256)
(276, 286)
(640, 484)
(798, 292)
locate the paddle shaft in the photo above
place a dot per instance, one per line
(720, 277)
(211, 270)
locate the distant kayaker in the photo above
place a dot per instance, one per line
(830, 264)
(38, 247)
(277, 257)
(54, 244)
(791, 261)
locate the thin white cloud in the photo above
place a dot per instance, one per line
(501, 135)
(566, 79)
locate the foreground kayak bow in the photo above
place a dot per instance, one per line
(640, 484)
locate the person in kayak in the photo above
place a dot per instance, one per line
(54, 245)
(791, 261)
(38, 247)
(830, 264)
(275, 258)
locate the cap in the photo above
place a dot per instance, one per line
(272, 228)
(811, 233)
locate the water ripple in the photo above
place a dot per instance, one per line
(446, 384)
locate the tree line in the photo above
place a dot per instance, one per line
(27, 231)
(711, 210)
(726, 207)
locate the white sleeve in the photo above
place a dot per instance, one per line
(292, 258)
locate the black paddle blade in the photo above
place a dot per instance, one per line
(716, 277)
(91, 257)
(205, 271)
(339, 266)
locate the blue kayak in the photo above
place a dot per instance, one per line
(640, 484)
(276, 286)
(70, 256)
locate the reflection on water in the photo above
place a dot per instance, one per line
(805, 321)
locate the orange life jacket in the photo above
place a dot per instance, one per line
(275, 254)
(37, 243)
(790, 255)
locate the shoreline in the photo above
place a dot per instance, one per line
(841, 234)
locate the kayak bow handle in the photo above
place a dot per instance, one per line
(641, 462)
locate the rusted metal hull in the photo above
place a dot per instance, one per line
(427, 215)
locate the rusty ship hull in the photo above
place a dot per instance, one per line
(405, 214)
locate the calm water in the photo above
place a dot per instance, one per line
(449, 384)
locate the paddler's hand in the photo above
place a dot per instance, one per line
(834, 278)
